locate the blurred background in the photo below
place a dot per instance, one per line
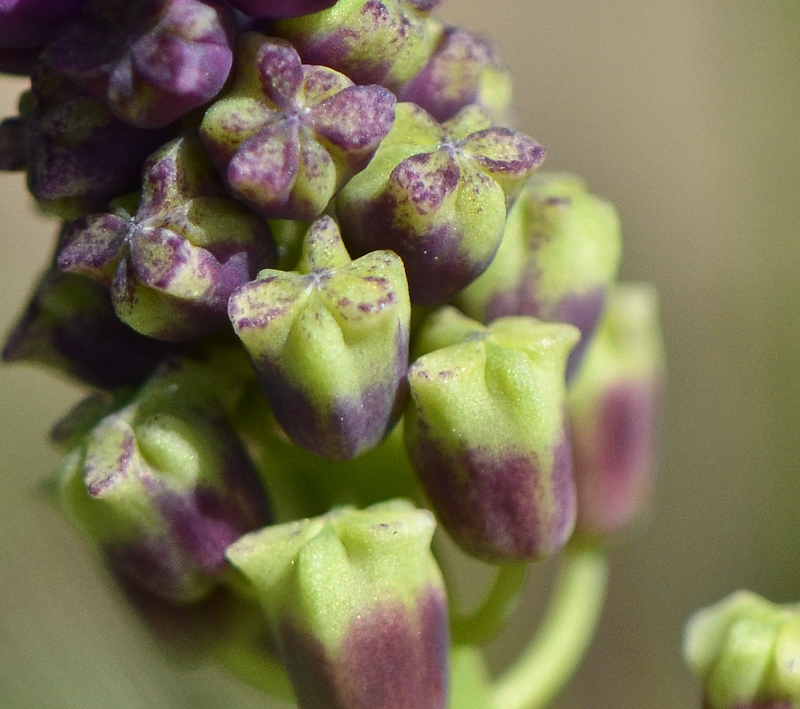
(686, 114)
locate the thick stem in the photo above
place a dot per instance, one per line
(488, 619)
(558, 647)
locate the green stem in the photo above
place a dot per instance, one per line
(487, 620)
(564, 636)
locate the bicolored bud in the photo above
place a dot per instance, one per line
(438, 195)
(162, 486)
(357, 606)
(486, 432)
(150, 62)
(32, 23)
(464, 69)
(384, 42)
(329, 343)
(79, 156)
(746, 651)
(287, 136)
(70, 326)
(559, 256)
(280, 9)
(614, 406)
(173, 264)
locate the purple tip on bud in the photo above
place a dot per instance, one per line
(151, 62)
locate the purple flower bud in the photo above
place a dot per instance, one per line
(152, 62)
(614, 409)
(353, 313)
(357, 605)
(280, 9)
(286, 136)
(438, 195)
(79, 156)
(464, 69)
(70, 326)
(383, 42)
(31, 23)
(163, 486)
(486, 432)
(172, 266)
(559, 256)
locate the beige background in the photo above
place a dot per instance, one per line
(687, 115)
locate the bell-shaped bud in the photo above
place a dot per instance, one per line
(79, 156)
(357, 606)
(438, 195)
(163, 485)
(32, 23)
(383, 42)
(486, 432)
(280, 9)
(746, 651)
(614, 406)
(287, 136)
(329, 343)
(173, 264)
(70, 326)
(559, 256)
(150, 62)
(463, 69)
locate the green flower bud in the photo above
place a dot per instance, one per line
(382, 42)
(357, 606)
(438, 195)
(162, 486)
(558, 258)
(746, 650)
(296, 325)
(486, 432)
(614, 406)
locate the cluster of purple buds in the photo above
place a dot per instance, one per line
(324, 302)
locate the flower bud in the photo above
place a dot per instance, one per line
(357, 605)
(437, 195)
(746, 650)
(614, 407)
(329, 343)
(70, 326)
(382, 42)
(463, 69)
(79, 156)
(287, 136)
(280, 9)
(486, 432)
(162, 486)
(31, 23)
(559, 255)
(150, 62)
(172, 266)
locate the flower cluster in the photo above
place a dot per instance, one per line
(324, 300)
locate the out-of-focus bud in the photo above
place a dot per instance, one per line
(438, 196)
(172, 266)
(486, 432)
(280, 9)
(464, 69)
(286, 136)
(18, 62)
(13, 155)
(150, 62)
(357, 605)
(31, 23)
(70, 326)
(79, 156)
(383, 42)
(559, 256)
(746, 651)
(614, 406)
(329, 343)
(163, 485)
